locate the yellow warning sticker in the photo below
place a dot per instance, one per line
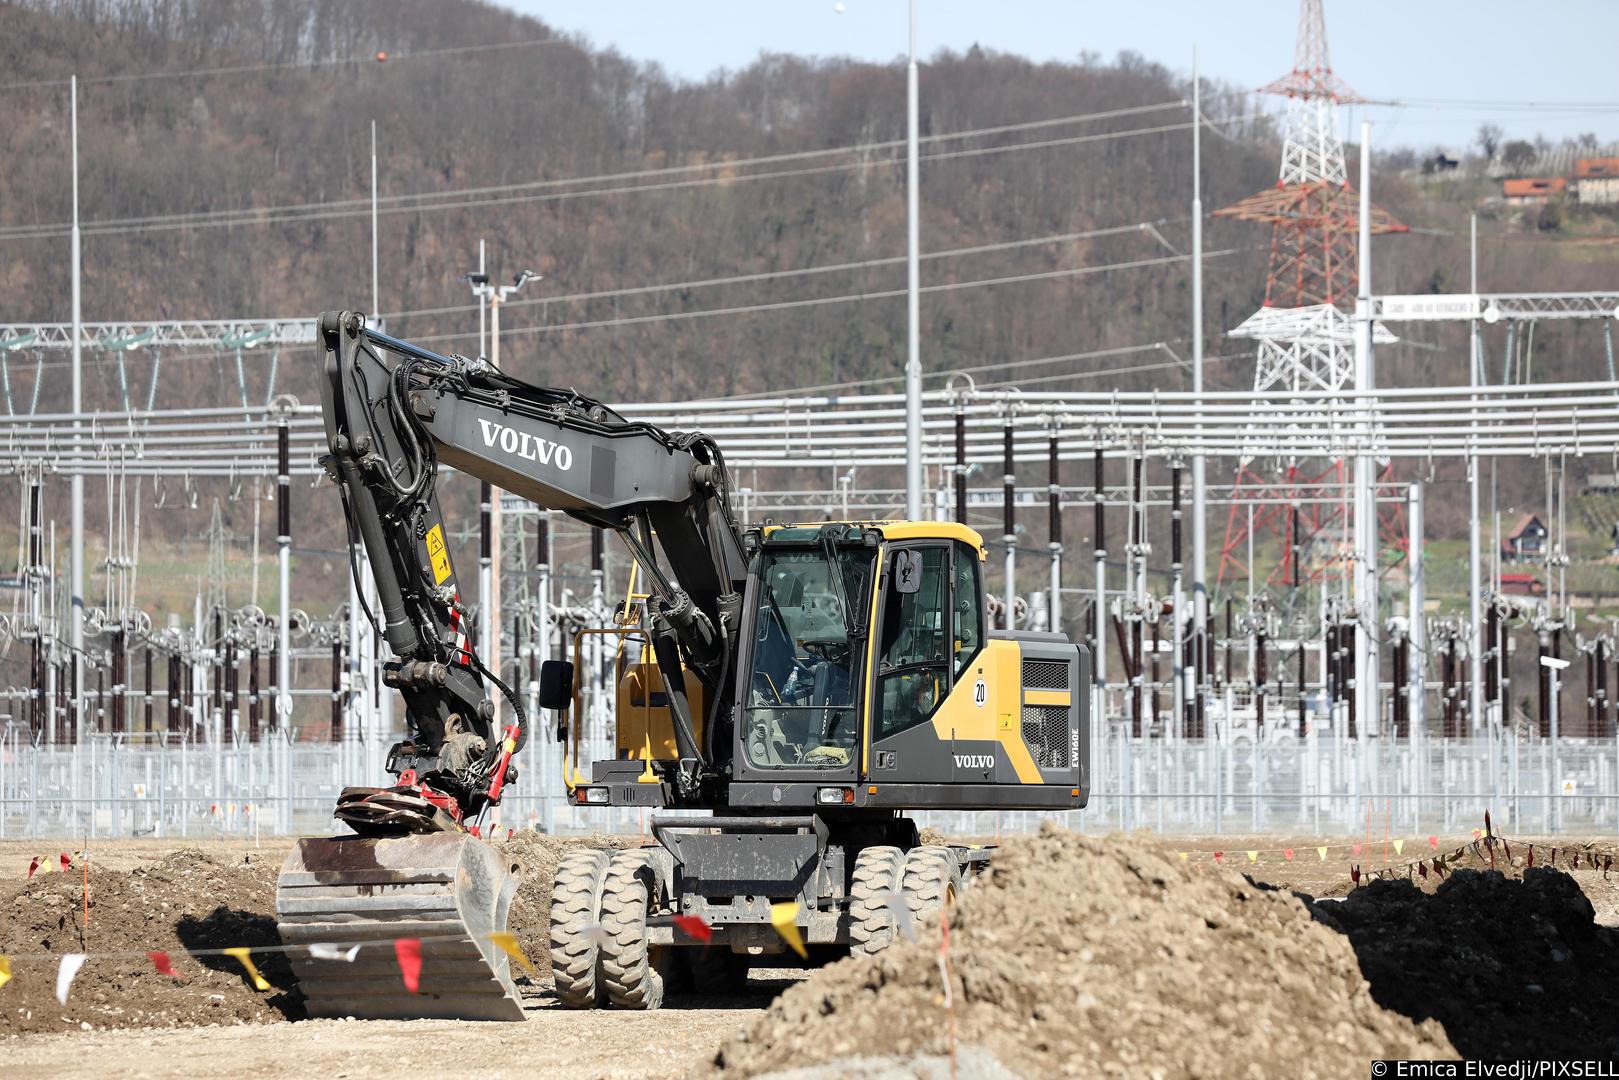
(437, 554)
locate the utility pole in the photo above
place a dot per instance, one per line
(1367, 676)
(376, 291)
(76, 483)
(1200, 588)
(1475, 547)
(913, 286)
(489, 501)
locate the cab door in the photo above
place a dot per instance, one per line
(927, 629)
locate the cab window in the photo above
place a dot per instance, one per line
(915, 642)
(802, 695)
(969, 607)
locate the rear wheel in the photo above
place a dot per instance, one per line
(629, 966)
(932, 881)
(575, 911)
(877, 870)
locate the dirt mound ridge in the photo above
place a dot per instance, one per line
(530, 915)
(185, 900)
(1090, 955)
(1511, 967)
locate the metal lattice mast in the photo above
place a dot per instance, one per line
(1303, 333)
(1313, 149)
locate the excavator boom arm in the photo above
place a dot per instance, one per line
(395, 411)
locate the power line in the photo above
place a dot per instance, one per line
(295, 65)
(474, 197)
(1149, 228)
(820, 301)
(772, 275)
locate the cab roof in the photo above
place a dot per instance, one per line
(807, 532)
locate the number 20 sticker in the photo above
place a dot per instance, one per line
(980, 693)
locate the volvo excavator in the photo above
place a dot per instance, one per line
(800, 688)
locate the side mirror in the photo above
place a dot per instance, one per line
(907, 571)
(556, 684)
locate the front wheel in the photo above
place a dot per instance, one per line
(878, 878)
(629, 962)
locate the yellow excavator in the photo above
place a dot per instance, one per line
(804, 686)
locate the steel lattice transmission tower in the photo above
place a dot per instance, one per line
(1304, 332)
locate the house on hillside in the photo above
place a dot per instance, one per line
(1526, 542)
(1532, 190)
(1596, 181)
(1522, 584)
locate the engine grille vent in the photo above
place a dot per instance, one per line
(1045, 732)
(1045, 675)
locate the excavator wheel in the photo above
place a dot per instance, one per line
(876, 870)
(932, 881)
(575, 911)
(446, 890)
(630, 966)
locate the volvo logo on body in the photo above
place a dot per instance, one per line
(526, 446)
(974, 761)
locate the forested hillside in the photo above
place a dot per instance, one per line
(242, 188)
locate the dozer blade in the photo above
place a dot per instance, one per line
(449, 890)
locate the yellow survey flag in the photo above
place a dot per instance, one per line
(1183, 856)
(784, 917)
(508, 944)
(245, 958)
(1321, 851)
(5, 970)
(1253, 856)
(1398, 844)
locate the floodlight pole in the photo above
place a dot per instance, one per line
(1477, 709)
(1200, 588)
(376, 290)
(76, 483)
(1368, 698)
(913, 361)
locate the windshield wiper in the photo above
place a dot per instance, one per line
(835, 571)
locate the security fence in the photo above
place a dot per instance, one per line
(120, 786)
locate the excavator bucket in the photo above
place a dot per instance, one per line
(447, 890)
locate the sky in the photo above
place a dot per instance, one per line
(1477, 53)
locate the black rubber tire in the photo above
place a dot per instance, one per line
(629, 969)
(716, 971)
(575, 908)
(876, 870)
(932, 881)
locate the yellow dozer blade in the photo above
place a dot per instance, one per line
(448, 890)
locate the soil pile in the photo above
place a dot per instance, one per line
(1513, 968)
(530, 916)
(1081, 955)
(186, 900)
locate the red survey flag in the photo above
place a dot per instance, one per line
(67, 861)
(34, 865)
(409, 952)
(160, 961)
(695, 926)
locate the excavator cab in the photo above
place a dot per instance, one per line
(882, 674)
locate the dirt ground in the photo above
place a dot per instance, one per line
(1171, 951)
